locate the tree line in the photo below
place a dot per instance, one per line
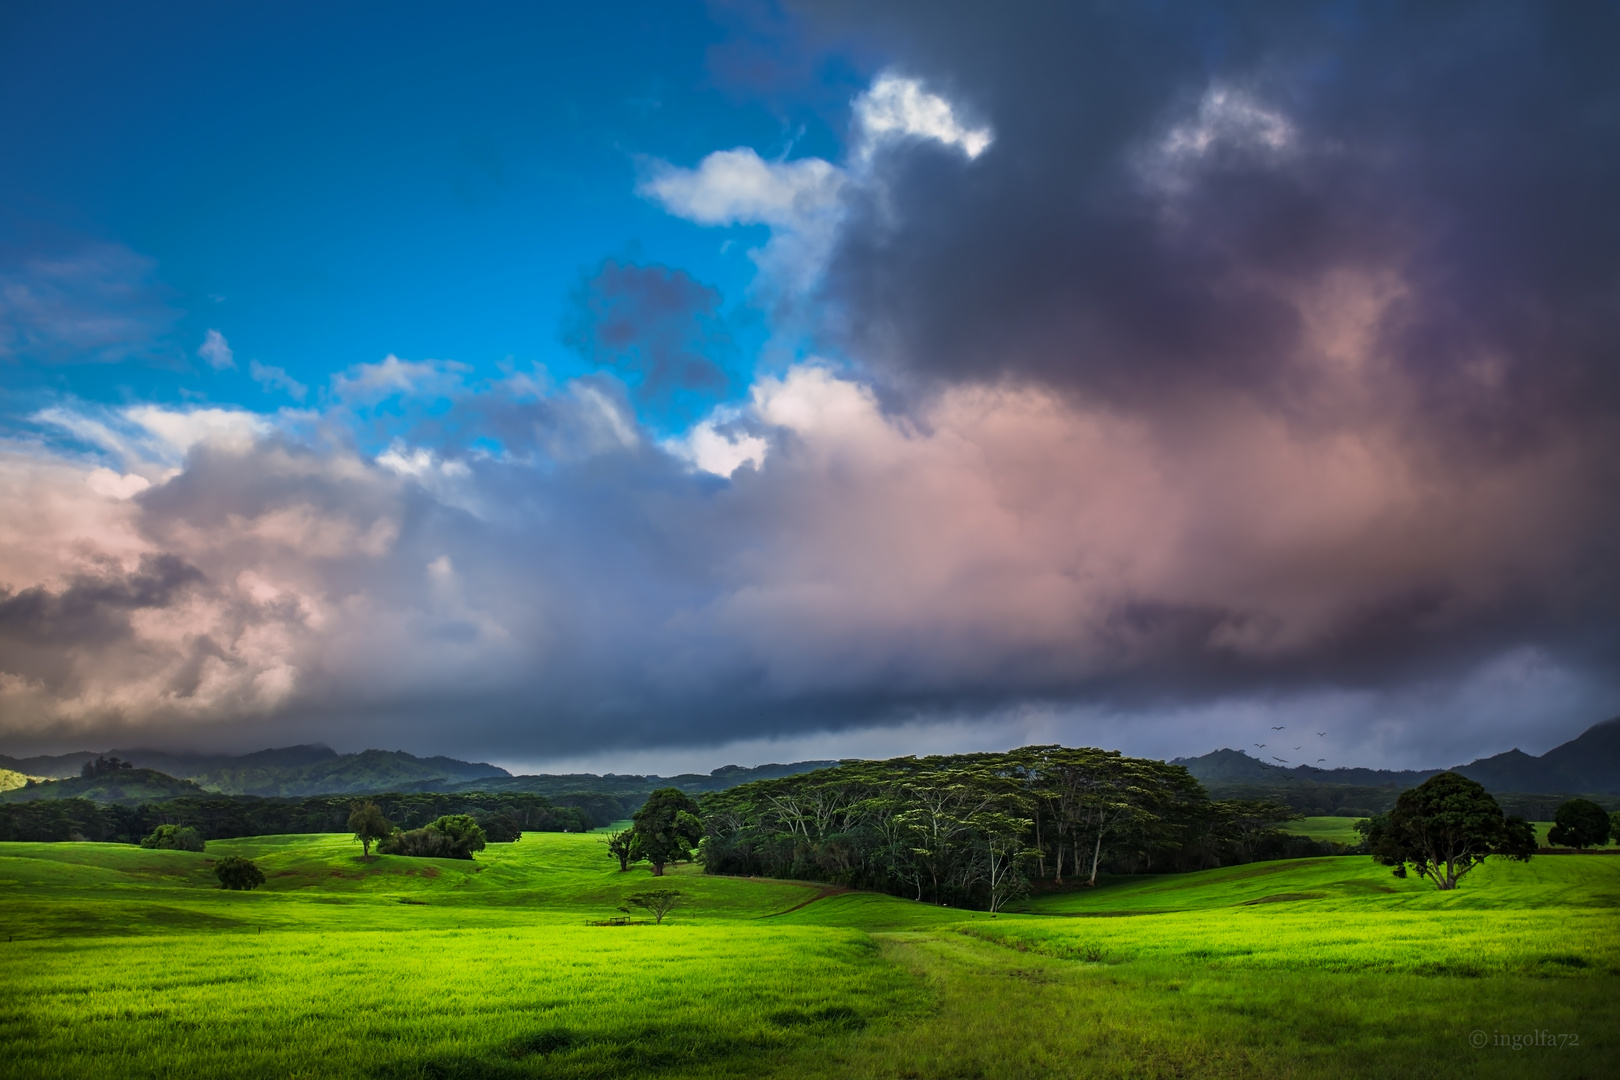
(980, 829)
(227, 817)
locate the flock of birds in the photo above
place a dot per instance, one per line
(1285, 761)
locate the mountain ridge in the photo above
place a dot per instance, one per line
(1588, 763)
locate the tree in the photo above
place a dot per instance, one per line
(174, 838)
(103, 766)
(1247, 824)
(501, 828)
(454, 836)
(235, 872)
(1444, 828)
(1614, 826)
(369, 826)
(622, 845)
(659, 902)
(1580, 823)
(667, 828)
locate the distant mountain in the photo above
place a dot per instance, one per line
(289, 771)
(123, 786)
(621, 786)
(1587, 764)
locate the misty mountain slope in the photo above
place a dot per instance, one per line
(129, 786)
(636, 787)
(293, 770)
(1588, 763)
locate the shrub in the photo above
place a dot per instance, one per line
(174, 838)
(235, 872)
(454, 836)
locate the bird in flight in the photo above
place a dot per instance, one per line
(1321, 759)
(1321, 733)
(1279, 727)
(1261, 745)
(1299, 748)
(1281, 759)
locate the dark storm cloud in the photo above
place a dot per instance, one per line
(1167, 179)
(49, 635)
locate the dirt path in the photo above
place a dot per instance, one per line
(822, 894)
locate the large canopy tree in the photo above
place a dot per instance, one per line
(667, 828)
(1580, 823)
(1444, 828)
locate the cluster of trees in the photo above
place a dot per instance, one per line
(103, 766)
(977, 829)
(173, 838)
(453, 836)
(227, 817)
(1449, 824)
(665, 830)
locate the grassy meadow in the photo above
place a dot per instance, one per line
(122, 962)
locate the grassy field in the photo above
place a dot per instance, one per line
(120, 962)
(1343, 830)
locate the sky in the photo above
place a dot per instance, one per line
(651, 387)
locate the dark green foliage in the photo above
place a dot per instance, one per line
(235, 872)
(622, 846)
(369, 826)
(106, 783)
(174, 838)
(1614, 826)
(58, 820)
(978, 829)
(1445, 827)
(667, 828)
(454, 836)
(501, 828)
(225, 817)
(1580, 823)
(656, 902)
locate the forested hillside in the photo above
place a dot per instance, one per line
(227, 817)
(980, 829)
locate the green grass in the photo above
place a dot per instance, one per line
(1338, 829)
(121, 962)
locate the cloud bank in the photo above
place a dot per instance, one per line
(1166, 379)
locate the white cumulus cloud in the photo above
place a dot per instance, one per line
(899, 108)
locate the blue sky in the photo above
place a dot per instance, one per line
(326, 186)
(668, 385)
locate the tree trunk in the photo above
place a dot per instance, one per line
(1059, 878)
(1096, 856)
(658, 869)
